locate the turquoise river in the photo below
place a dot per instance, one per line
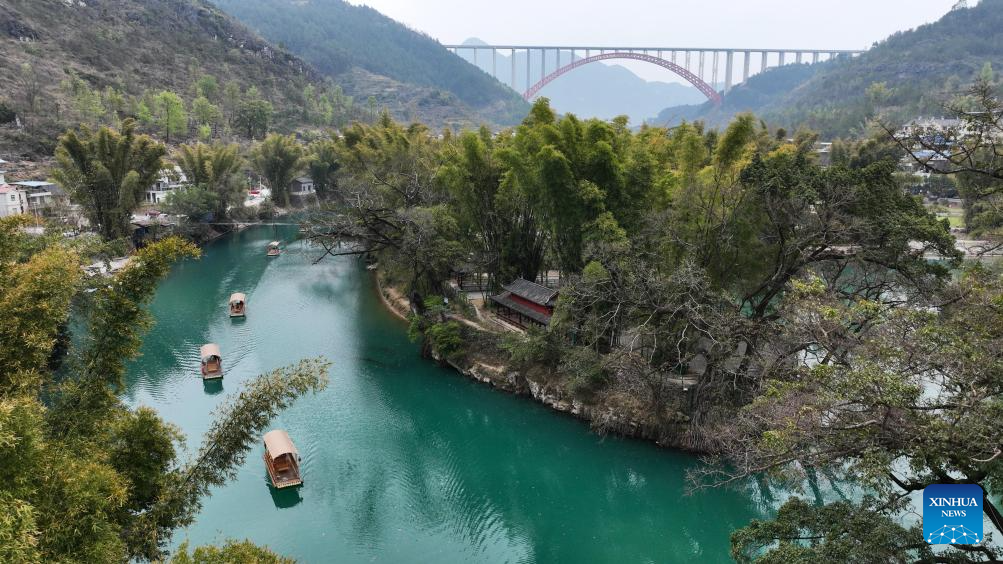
(404, 461)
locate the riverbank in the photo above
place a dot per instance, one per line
(484, 362)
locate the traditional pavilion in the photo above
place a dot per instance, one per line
(525, 303)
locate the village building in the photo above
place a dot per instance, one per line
(302, 186)
(43, 196)
(13, 200)
(170, 179)
(525, 304)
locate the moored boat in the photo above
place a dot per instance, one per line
(273, 249)
(238, 305)
(282, 459)
(212, 361)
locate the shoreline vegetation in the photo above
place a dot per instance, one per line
(527, 383)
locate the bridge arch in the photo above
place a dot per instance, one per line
(703, 87)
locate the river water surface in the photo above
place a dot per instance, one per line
(404, 461)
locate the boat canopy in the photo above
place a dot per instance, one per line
(209, 351)
(273, 244)
(277, 443)
(238, 298)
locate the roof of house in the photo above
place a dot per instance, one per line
(304, 180)
(532, 291)
(505, 299)
(7, 188)
(34, 183)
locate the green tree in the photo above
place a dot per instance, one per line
(232, 552)
(195, 203)
(885, 411)
(206, 86)
(393, 207)
(107, 172)
(323, 162)
(253, 114)
(279, 158)
(496, 216)
(214, 169)
(169, 114)
(204, 112)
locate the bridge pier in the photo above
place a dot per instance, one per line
(512, 60)
(713, 72)
(745, 71)
(528, 81)
(729, 70)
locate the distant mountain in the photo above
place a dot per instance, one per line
(907, 75)
(595, 90)
(755, 95)
(338, 37)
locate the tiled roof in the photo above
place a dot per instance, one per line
(533, 292)
(506, 300)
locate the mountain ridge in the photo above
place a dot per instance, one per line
(908, 74)
(336, 36)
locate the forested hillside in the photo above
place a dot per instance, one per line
(63, 63)
(336, 37)
(908, 74)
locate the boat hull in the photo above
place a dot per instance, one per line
(280, 482)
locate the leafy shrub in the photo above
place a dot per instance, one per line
(446, 338)
(584, 370)
(537, 346)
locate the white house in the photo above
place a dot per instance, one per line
(170, 179)
(13, 200)
(302, 186)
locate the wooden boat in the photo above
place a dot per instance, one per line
(273, 249)
(212, 362)
(282, 460)
(238, 305)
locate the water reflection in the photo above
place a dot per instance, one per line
(284, 498)
(213, 387)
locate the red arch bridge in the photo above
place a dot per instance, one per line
(707, 69)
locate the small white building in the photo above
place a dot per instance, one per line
(302, 186)
(170, 179)
(13, 200)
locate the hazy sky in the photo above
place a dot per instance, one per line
(804, 24)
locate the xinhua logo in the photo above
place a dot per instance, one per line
(952, 514)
